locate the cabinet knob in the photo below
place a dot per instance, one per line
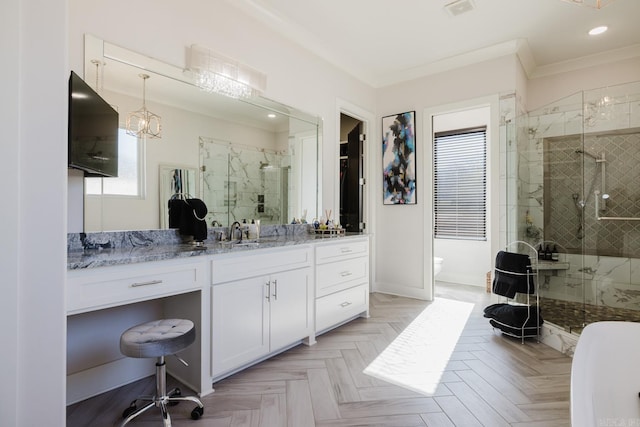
(345, 304)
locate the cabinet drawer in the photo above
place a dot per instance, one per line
(226, 268)
(341, 250)
(111, 286)
(341, 275)
(340, 306)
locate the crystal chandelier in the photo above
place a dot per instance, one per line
(143, 123)
(598, 4)
(217, 73)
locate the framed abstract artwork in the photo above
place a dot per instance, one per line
(399, 159)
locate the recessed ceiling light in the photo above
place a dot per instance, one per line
(271, 116)
(598, 30)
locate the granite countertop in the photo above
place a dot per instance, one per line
(92, 250)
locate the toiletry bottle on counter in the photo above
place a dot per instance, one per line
(254, 229)
(555, 256)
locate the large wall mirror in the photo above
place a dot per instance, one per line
(247, 159)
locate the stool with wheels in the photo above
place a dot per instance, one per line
(159, 338)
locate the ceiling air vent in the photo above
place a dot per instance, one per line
(458, 7)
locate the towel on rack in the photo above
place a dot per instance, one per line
(514, 319)
(188, 215)
(514, 315)
(513, 274)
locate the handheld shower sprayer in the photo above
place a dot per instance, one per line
(600, 160)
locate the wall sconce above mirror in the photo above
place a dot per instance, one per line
(189, 116)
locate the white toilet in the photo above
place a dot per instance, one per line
(437, 265)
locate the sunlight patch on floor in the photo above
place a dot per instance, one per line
(417, 358)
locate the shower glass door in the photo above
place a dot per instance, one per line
(578, 191)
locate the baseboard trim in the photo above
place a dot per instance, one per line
(403, 291)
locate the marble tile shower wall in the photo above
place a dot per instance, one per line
(609, 273)
(243, 183)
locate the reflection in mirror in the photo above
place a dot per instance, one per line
(175, 183)
(240, 182)
(257, 128)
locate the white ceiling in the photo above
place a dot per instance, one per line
(383, 42)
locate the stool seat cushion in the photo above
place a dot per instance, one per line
(157, 338)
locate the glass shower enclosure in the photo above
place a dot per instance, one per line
(573, 184)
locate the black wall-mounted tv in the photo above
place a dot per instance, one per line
(93, 131)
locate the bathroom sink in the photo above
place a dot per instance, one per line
(240, 243)
(605, 376)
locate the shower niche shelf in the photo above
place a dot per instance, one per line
(550, 265)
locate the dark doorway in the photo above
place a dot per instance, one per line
(351, 173)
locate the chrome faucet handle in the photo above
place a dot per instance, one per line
(235, 226)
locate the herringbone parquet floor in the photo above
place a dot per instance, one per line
(413, 363)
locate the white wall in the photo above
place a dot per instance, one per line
(466, 261)
(403, 258)
(10, 153)
(33, 83)
(544, 90)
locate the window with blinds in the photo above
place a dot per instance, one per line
(460, 191)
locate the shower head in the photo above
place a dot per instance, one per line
(586, 153)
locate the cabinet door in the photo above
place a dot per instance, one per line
(240, 323)
(291, 301)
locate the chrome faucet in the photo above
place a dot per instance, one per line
(233, 228)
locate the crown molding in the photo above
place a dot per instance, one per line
(454, 62)
(607, 57)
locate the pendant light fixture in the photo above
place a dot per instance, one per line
(143, 123)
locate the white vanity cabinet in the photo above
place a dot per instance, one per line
(261, 303)
(342, 281)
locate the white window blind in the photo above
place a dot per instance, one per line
(460, 191)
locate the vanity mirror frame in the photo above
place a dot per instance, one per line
(100, 50)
